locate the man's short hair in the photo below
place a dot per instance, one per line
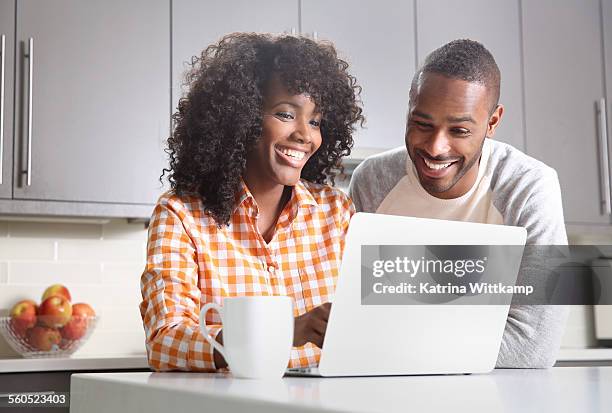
(463, 59)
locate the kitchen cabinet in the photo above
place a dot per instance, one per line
(95, 76)
(91, 106)
(607, 40)
(377, 40)
(496, 24)
(197, 24)
(564, 79)
(107, 75)
(7, 40)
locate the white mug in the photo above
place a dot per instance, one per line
(257, 334)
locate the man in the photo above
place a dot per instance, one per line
(452, 169)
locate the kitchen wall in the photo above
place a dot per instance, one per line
(100, 263)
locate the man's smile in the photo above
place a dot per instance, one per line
(435, 169)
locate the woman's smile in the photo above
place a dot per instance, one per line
(293, 157)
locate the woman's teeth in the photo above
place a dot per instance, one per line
(436, 166)
(298, 155)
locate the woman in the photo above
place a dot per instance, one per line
(262, 129)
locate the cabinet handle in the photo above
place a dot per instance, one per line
(3, 53)
(604, 158)
(30, 56)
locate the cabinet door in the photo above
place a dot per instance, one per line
(377, 40)
(7, 38)
(196, 24)
(495, 24)
(563, 81)
(100, 99)
(607, 38)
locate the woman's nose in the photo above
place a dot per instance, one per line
(301, 133)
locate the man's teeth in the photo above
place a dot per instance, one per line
(436, 166)
(299, 155)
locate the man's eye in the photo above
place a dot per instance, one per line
(422, 125)
(460, 131)
(284, 115)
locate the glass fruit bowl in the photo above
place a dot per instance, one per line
(41, 341)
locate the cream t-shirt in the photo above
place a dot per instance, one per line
(409, 198)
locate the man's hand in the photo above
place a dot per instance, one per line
(311, 326)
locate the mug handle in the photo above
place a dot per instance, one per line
(206, 331)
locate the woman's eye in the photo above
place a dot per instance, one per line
(315, 123)
(284, 115)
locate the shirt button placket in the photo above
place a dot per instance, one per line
(273, 279)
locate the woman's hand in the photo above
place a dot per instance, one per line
(311, 326)
(218, 358)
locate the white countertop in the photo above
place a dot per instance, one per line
(560, 389)
(20, 365)
(105, 362)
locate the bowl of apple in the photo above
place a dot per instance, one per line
(55, 328)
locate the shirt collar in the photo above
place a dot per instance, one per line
(244, 196)
(300, 197)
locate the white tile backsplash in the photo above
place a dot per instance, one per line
(579, 330)
(113, 343)
(116, 229)
(119, 318)
(10, 294)
(120, 273)
(3, 272)
(101, 265)
(26, 249)
(18, 229)
(117, 250)
(53, 272)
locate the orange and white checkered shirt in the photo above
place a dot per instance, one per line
(190, 262)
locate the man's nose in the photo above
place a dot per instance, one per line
(438, 144)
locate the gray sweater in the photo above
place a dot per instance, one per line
(526, 193)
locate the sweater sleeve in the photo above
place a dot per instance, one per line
(533, 333)
(357, 186)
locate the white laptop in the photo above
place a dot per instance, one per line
(373, 340)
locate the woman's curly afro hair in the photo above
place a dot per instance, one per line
(220, 119)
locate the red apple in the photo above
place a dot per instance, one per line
(56, 289)
(44, 338)
(82, 310)
(23, 316)
(55, 311)
(77, 326)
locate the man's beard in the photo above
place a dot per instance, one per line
(465, 167)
